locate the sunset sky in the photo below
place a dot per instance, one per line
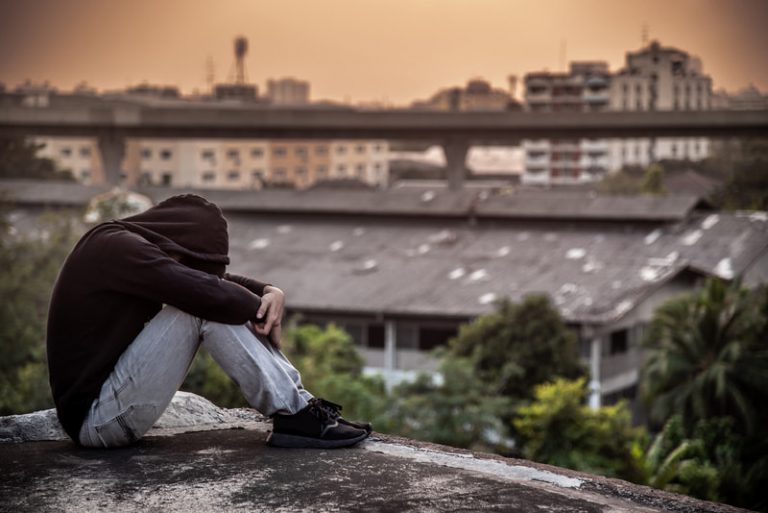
(363, 50)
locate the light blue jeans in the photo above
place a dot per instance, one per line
(153, 367)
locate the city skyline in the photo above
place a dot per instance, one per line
(391, 52)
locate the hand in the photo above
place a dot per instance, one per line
(271, 310)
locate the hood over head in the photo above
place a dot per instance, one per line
(187, 225)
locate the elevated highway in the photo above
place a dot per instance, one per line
(113, 122)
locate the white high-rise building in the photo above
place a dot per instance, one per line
(653, 78)
(659, 78)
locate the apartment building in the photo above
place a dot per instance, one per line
(287, 92)
(653, 78)
(237, 164)
(585, 87)
(79, 156)
(659, 78)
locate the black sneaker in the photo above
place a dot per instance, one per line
(334, 411)
(313, 427)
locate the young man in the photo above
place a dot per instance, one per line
(132, 304)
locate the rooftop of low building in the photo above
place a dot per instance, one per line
(202, 458)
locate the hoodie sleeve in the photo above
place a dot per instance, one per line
(254, 286)
(132, 265)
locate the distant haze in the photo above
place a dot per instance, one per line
(392, 51)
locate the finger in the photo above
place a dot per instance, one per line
(275, 336)
(260, 329)
(263, 309)
(268, 324)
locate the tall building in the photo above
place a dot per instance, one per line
(659, 78)
(585, 87)
(653, 78)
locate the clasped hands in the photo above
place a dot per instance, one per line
(271, 312)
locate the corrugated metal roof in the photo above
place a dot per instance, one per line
(525, 205)
(452, 269)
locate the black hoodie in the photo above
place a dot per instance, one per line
(118, 277)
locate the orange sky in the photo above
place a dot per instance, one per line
(363, 50)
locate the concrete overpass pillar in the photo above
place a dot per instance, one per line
(112, 150)
(455, 150)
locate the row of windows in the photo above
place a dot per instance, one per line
(66, 151)
(281, 172)
(165, 154)
(281, 151)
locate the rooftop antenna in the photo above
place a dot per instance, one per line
(644, 34)
(241, 48)
(210, 73)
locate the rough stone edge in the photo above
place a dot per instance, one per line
(186, 413)
(191, 413)
(590, 483)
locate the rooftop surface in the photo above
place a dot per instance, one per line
(595, 270)
(225, 465)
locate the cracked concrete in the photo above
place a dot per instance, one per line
(228, 467)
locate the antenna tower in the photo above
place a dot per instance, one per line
(644, 34)
(241, 48)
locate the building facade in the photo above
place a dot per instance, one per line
(585, 88)
(288, 92)
(653, 78)
(236, 164)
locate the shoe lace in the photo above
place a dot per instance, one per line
(329, 409)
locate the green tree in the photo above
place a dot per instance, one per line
(708, 356)
(18, 159)
(653, 180)
(332, 368)
(747, 186)
(461, 411)
(28, 268)
(559, 429)
(518, 346)
(678, 464)
(620, 182)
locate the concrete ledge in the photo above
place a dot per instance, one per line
(189, 463)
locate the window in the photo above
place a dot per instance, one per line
(208, 154)
(66, 151)
(341, 169)
(257, 174)
(619, 342)
(233, 154)
(280, 173)
(279, 151)
(300, 151)
(301, 171)
(430, 338)
(321, 171)
(209, 176)
(85, 151)
(85, 174)
(166, 154)
(257, 153)
(360, 170)
(375, 336)
(233, 176)
(360, 148)
(377, 148)
(146, 153)
(341, 150)
(321, 150)
(166, 178)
